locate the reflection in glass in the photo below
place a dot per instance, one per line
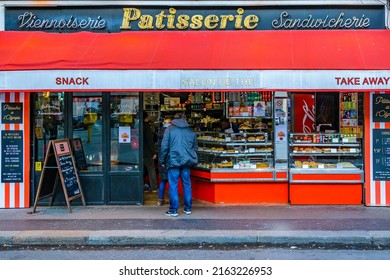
(124, 126)
(87, 125)
(49, 120)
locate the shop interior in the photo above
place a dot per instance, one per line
(240, 131)
(237, 131)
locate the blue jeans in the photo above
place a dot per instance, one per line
(161, 189)
(173, 176)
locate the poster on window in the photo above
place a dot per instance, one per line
(259, 108)
(124, 134)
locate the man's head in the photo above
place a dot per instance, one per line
(180, 116)
(167, 122)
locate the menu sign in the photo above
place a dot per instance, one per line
(381, 154)
(11, 113)
(79, 155)
(68, 172)
(381, 107)
(59, 166)
(12, 156)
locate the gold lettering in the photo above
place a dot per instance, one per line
(171, 18)
(145, 22)
(211, 22)
(182, 22)
(11, 118)
(251, 22)
(197, 22)
(238, 24)
(159, 20)
(225, 19)
(9, 107)
(129, 14)
(381, 99)
(382, 114)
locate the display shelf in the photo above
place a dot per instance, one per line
(319, 158)
(234, 151)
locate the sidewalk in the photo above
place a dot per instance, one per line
(208, 224)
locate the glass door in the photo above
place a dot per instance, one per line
(87, 124)
(124, 149)
(48, 121)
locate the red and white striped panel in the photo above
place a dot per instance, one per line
(17, 195)
(377, 193)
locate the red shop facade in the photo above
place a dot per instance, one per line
(324, 137)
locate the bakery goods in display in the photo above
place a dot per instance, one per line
(244, 126)
(262, 165)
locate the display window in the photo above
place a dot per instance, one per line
(235, 129)
(327, 132)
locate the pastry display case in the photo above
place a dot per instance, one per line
(238, 167)
(236, 151)
(325, 168)
(324, 153)
(237, 157)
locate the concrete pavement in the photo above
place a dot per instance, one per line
(269, 225)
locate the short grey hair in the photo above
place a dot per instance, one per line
(180, 116)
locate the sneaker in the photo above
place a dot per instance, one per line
(153, 189)
(160, 202)
(187, 212)
(171, 214)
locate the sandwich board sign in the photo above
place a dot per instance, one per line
(59, 168)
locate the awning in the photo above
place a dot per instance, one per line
(197, 50)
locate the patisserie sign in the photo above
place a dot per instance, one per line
(147, 18)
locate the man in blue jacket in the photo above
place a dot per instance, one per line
(178, 154)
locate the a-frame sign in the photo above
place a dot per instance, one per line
(59, 167)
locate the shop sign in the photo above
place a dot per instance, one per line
(156, 80)
(381, 108)
(11, 113)
(381, 154)
(362, 81)
(137, 18)
(12, 156)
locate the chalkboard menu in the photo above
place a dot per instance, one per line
(68, 172)
(79, 155)
(59, 166)
(12, 156)
(381, 154)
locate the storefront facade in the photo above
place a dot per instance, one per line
(213, 62)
